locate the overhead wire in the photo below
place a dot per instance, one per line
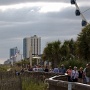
(86, 10)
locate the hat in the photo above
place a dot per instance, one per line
(75, 67)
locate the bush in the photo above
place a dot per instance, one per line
(78, 63)
(29, 84)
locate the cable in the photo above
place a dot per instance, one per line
(86, 10)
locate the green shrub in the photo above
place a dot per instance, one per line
(78, 63)
(29, 84)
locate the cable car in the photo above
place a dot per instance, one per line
(84, 23)
(77, 12)
(73, 1)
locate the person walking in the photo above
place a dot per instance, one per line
(46, 69)
(74, 75)
(56, 70)
(88, 73)
(69, 71)
(84, 75)
(62, 70)
(80, 77)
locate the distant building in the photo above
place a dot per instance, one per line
(15, 55)
(31, 46)
(13, 51)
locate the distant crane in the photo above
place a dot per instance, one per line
(79, 13)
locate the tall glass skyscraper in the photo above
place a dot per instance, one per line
(31, 46)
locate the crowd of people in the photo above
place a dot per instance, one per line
(81, 75)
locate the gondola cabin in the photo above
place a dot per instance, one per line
(73, 1)
(84, 23)
(77, 12)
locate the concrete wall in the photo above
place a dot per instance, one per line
(65, 85)
(9, 81)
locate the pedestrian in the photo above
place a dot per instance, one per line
(62, 69)
(88, 73)
(56, 70)
(22, 70)
(80, 77)
(74, 74)
(84, 75)
(46, 69)
(69, 71)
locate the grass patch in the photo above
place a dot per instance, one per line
(31, 84)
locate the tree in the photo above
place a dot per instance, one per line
(68, 49)
(56, 52)
(83, 43)
(52, 53)
(65, 50)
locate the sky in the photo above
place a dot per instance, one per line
(49, 19)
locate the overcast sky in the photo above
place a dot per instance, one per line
(49, 19)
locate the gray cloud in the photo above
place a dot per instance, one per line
(15, 24)
(35, 22)
(8, 2)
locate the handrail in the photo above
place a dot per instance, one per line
(66, 84)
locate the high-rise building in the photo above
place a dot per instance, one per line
(13, 51)
(14, 54)
(31, 46)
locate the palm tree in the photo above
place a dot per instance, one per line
(68, 49)
(56, 52)
(65, 50)
(52, 52)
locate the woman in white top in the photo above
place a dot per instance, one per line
(74, 74)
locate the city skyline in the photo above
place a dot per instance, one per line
(49, 19)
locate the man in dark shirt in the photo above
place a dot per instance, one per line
(62, 70)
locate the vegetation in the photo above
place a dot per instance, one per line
(70, 52)
(4, 67)
(83, 44)
(73, 63)
(52, 52)
(32, 85)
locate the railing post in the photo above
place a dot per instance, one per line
(69, 85)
